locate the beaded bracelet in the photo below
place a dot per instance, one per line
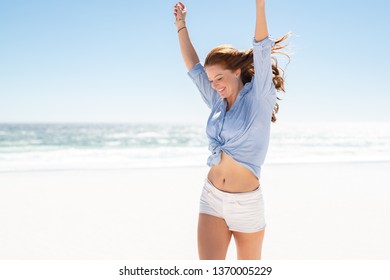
(181, 29)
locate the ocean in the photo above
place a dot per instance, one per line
(46, 147)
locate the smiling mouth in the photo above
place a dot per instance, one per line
(221, 90)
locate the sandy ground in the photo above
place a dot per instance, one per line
(314, 212)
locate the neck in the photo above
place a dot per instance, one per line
(230, 100)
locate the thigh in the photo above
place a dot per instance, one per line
(249, 245)
(213, 237)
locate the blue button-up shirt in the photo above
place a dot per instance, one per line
(243, 131)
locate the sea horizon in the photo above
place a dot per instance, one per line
(82, 146)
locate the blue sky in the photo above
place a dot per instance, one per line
(119, 61)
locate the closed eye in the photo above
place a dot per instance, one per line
(219, 79)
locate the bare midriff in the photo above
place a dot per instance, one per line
(231, 176)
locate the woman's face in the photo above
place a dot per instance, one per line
(226, 82)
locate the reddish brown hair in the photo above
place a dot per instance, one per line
(233, 59)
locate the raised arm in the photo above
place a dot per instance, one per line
(262, 49)
(261, 30)
(188, 52)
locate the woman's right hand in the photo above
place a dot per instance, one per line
(188, 52)
(180, 13)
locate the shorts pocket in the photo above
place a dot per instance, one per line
(254, 203)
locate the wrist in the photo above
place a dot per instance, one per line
(180, 23)
(180, 29)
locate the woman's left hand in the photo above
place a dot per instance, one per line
(180, 12)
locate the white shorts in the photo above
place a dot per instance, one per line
(242, 212)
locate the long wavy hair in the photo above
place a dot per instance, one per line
(233, 59)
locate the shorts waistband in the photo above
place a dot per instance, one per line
(210, 186)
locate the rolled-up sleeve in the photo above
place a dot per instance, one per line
(263, 84)
(200, 79)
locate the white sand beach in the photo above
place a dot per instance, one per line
(323, 211)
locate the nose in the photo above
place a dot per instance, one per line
(214, 84)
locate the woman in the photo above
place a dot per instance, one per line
(240, 89)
